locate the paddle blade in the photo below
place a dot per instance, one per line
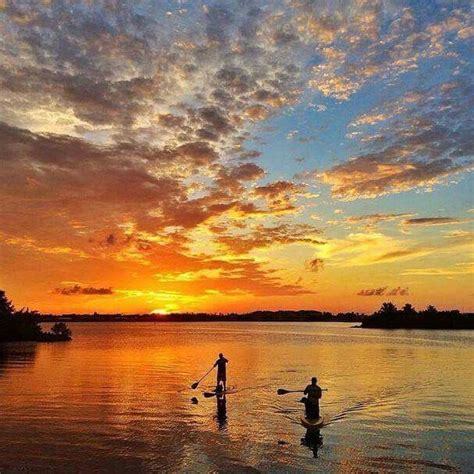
(194, 385)
(282, 391)
(209, 394)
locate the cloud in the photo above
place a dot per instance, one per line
(137, 125)
(400, 255)
(277, 189)
(460, 236)
(43, 171)
(425, 141)
(79, 290)
(124, 204)
(30, 244)
(374, 219)
(110, 240)
(360, 48)
(316, 265)
(465, 268)
(231, 178)
(280, 195)
(372, 292)
(266, 236)
(384, 291)
(398, 291)
(371, 247)
(431, 221)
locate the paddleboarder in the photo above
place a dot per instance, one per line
(221, 372)
(313, 394)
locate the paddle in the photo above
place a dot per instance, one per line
(282, 391)
(195, 384)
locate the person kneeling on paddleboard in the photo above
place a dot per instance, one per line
(221, 371)
(313, 394)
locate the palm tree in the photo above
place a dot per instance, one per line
(409, 310)
(387, 309)
(431, 309)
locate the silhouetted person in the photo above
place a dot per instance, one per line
(221, 371)
(313, 394)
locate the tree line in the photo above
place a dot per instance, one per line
(24, 325)
(390, 317)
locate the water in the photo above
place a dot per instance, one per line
(118, 398)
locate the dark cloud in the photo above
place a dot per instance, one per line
(53, 178)
(429, 221)
(274, 190)
(79, 290)
(384, 291)
(316, 265)
(280, 195)
(235, 79)
(215, 118)
(398, 291)
(200, 153)
(373, 291)
(231, 178)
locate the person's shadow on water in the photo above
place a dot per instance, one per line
(313, 440)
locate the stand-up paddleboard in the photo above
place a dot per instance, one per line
(315, 424)
(213, 393)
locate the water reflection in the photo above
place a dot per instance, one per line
(313, 440)
(118, 398)
(16, 355)
(221, 416)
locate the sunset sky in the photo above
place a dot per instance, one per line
(236, 155)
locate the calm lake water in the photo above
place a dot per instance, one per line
(118, 398)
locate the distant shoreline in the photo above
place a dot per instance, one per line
(393, 319)
(257, 316)
(388, 317)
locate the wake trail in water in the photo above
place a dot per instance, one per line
(359, 406)
(388, 397)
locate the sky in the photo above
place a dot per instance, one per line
(165, 156)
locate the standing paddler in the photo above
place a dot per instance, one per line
(313, 394)
(221, 363)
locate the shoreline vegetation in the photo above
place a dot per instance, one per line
(255, 316)
(390, 317)
(24, 325)
(387, 317)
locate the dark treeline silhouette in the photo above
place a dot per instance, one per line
(24, 325)
(256, 316)
(390, 317)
